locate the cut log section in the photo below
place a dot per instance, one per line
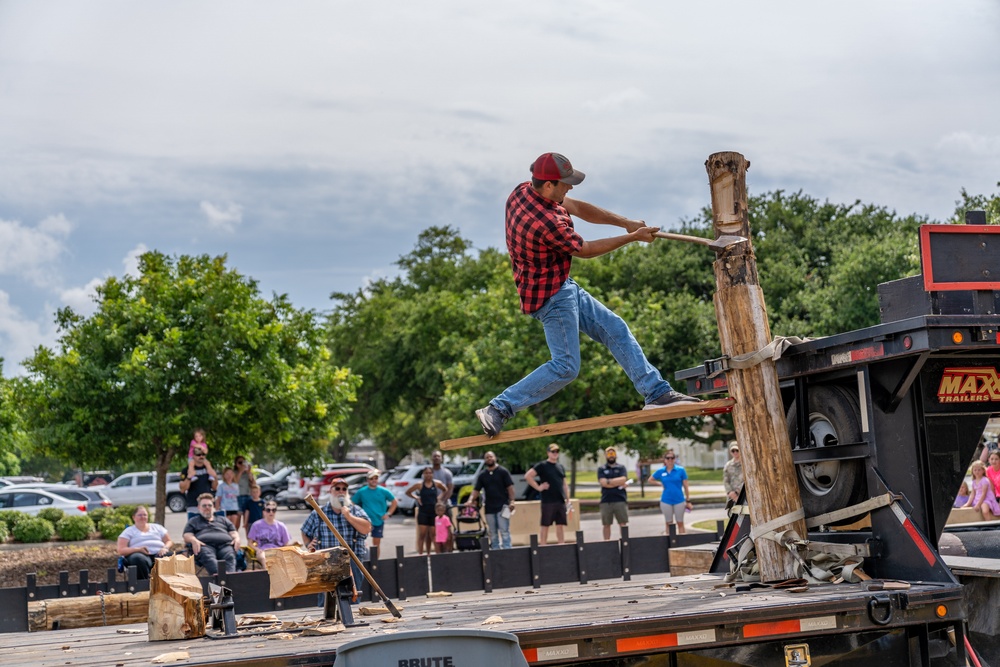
(92, 611)
(176, 600)
(593, 423)
(295, 571)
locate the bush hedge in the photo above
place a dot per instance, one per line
(3, 532)
(52, 514)
(73, 528)
(33, 529)
(112, 526)
(11, 518)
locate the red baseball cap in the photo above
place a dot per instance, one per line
(337, 480)
(555, 167)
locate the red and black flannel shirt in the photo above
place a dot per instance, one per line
(540, 240)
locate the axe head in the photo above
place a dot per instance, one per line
(724, 242)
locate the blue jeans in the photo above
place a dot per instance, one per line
(499, 528)
(568, 312)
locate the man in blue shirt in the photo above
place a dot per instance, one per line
(378, 503)
(613, 479)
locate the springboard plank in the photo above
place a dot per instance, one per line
(593, 423)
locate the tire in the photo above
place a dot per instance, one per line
(834, 418)
(177, 503)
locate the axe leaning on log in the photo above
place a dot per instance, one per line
(354, 557)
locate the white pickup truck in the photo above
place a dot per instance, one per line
(139, 488)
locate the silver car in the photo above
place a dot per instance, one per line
(32, 501)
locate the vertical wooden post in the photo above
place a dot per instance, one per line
(770, 480)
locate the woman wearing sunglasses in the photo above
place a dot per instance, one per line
(268, 533)
(676, 497)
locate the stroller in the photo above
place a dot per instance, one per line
(469, 528)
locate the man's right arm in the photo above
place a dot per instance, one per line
(598, 247)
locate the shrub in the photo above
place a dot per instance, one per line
(97, 515)
(72, 528)
(11, 518)
(126, 511)
(112, 526)
(52, 514)
(3, 532)
(33, 529)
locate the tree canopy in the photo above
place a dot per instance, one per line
(188, 343)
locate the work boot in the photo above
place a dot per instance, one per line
(491, 419)
(670, 398)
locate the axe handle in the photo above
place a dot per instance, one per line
(354, 557)
(683, 237)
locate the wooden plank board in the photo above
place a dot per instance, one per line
(593, 423)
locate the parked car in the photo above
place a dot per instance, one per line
(354, 482)
(401, 479)
(91, 497)
(32, 501)
(10, 480)
(466, 476)
(139, 488)
(298, 487)
(272, 485)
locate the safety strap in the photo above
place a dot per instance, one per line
(852, 511)
(772, 350)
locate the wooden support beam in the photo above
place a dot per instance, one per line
(771, 484)
(593, 423)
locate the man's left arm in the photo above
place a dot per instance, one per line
(599, 216)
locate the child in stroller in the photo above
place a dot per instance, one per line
(469, 528)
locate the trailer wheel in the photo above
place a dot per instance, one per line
(834, 418)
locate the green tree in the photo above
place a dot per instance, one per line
(988, 203)
(11, 428)
(188, 343)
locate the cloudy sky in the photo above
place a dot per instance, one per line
(312, 141)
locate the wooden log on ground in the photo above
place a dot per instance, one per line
(296, 571)
(176, 600)
(88, 612)
(759, 416)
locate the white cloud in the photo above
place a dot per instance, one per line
(964, 143)
(30, 252)
(19, 336)
(621, 99)
(131, 261)
(81, 299)
(222, 218)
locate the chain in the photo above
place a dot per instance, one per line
(104, 615)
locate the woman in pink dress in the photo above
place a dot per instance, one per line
(982, 496)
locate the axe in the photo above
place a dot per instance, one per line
(718, 244)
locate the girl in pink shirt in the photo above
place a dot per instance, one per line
(983, 497)
(993, 472)
(442, 528)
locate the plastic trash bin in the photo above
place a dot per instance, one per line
(433, 648)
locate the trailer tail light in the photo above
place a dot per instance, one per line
(907, 342)
(941, 611)
(957, 337)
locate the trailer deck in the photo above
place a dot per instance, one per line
(610, 622)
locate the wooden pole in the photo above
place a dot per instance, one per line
(759, 418)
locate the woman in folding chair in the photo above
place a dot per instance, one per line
(267, 534)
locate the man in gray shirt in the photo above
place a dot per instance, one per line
(212, 538)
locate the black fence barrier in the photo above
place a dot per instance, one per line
(403, 576)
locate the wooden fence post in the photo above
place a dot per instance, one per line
(770, 479)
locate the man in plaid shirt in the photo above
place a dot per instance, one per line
(542, 243)
(350, 521)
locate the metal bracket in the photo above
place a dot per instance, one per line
(223, 610)
(716, 367)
